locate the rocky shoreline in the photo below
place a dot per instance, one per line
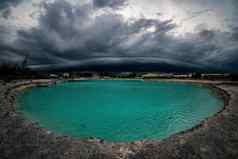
(216, 137)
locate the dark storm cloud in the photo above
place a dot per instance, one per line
(235, 34)
(69, 32)
(6, 13)
(8, 3)
(74, 35)
(5, 5)
(109, 3)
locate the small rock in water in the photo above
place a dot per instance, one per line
(48, 132)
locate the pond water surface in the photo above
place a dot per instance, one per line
(119, 111)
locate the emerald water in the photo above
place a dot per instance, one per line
(119, 111)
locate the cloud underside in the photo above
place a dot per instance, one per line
(93, 34)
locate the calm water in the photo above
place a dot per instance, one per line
(119, 111)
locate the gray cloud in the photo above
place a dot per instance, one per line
(70, 32)
(196, 14)
(73, 36)
(5, 7)
(7, 3)
(109, 3)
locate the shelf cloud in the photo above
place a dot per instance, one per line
(63, 33)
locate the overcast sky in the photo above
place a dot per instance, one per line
(62, 33)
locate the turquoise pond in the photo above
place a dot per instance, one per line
(119, 111)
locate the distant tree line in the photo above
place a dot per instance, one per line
(13, 71)
(10, 72)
